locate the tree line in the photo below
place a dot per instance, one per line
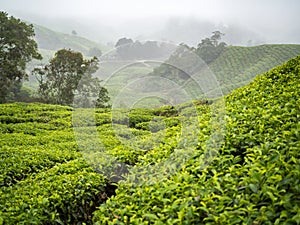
(128, 49)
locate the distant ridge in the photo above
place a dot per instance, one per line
(51, 40)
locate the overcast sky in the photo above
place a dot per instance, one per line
(275, 20)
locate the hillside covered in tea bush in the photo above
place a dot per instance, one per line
(253, 179)
(49, 175)
(237, 66)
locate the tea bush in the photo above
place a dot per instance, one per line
(43, 176)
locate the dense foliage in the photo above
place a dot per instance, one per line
(17, 47)
(67, 80)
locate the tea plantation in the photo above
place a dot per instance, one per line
(53, 175)
(253, 179)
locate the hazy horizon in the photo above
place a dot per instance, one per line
(178, 21)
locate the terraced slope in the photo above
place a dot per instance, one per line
(237, 66)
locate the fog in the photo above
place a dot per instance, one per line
(243, 21)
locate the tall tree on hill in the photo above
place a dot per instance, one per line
(17, 47)
(210, 48)
(67, 76)
(216, 37)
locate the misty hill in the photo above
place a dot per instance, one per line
(234, 67)
(51, 40)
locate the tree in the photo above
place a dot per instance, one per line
(103, 98)
(68, 75)
(210, 48)
(124, 41)
(217, 35)
(17, 47)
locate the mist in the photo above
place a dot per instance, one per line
(243, 22)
